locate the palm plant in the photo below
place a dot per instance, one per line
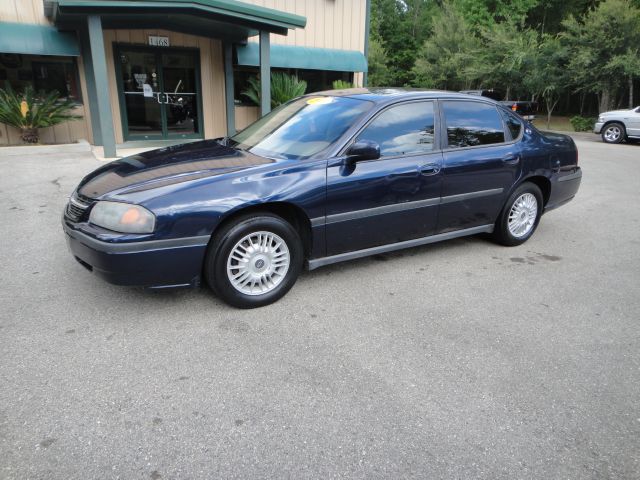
(341, 85)
(28, 111)
(283, 88)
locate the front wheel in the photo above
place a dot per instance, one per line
(254, 261)
(520, 216)
(613, 133)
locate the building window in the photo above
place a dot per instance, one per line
(43, 72)
(317, 80)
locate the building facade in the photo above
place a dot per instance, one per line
(148, 70)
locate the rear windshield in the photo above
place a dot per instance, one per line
(302, 127)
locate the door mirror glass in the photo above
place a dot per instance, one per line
(363, 150)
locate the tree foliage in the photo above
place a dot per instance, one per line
(542, 49)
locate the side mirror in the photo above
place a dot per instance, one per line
(363, 150)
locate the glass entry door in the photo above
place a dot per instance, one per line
(159, 93)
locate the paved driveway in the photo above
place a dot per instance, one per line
(457, 360)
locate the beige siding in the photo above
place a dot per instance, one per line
(330, 23)
(246, 116)
(211, 67)
(23, 11)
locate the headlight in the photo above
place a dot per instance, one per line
(600, 119)
(122, 217)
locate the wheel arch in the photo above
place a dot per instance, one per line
(609, 122)
(289, 212)
(542, 182)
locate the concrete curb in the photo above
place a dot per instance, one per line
(81, 146)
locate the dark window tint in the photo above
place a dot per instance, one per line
(403, 129)
(471, 123)
(513, 123)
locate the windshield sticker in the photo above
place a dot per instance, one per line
(319, 100)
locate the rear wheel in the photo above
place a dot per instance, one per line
(613, 133)
(520, 216)
(254, 261)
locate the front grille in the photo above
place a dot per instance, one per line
(76, 208)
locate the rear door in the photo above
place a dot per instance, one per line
(395, 197)
(481, 164)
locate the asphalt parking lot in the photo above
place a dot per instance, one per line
(458, 360)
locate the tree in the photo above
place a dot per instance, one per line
(399, 27)
(507, 57)
(549, 77)
(379, 74)
(601, 43)
(444, 59)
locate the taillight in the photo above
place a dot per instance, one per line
(514, 107)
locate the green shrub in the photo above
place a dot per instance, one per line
(582, 124)
(341, 85)
(29, 111)
(283, 88)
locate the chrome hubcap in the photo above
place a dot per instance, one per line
(612, 134)
(522, 215)
(258, 263)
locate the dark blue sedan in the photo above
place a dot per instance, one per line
(325, 178)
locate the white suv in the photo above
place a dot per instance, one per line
(618, 125)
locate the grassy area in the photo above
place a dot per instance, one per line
(557, 123)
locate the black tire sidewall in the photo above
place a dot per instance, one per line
(502, 233)
(623, 132)
(215, 269)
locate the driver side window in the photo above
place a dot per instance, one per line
(405, 129)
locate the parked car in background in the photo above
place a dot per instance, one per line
(525, 109)
(618, 125)
(322, 179)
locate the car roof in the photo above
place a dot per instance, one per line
(392, 94)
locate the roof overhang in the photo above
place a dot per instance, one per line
(214, 18)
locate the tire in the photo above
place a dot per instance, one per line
(520, 216)
(255, 250)
(613, 132)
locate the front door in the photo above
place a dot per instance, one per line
(159, 93)
(395, 197)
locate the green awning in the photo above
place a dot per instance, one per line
(37, 40)
(287, 56)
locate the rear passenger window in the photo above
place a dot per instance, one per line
(402, 130)
(514, 124)
(472, 123)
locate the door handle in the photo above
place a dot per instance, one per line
(430, 169)
(511, 159)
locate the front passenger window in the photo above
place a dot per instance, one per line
(402, 130)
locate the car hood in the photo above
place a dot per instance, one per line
(167, 166)
(615, 113)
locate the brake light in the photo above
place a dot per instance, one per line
(514, 108)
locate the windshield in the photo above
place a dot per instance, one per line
(302, 127)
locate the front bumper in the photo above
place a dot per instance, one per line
(597, 128)
(155, 263)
